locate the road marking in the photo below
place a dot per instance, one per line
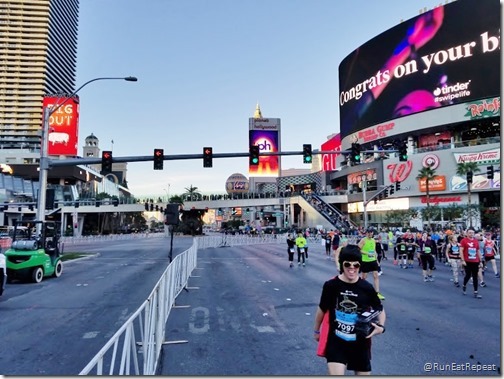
(220, 319)
(199, 315)
(89, 335)
(263, 329)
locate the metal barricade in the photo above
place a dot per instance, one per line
(135, 348)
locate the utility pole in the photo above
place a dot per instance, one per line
(364, 203)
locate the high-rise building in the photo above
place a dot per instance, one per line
(38, 57)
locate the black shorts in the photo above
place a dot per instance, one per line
(487, 259)
(369, 266)
(355, 355)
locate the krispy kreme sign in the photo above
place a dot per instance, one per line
(479, 157)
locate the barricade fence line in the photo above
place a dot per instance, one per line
(123, 354)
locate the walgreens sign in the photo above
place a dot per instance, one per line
(63, 126)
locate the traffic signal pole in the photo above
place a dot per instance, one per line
(364, 203)
(145, 158)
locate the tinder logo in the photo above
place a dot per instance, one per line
(447, 93)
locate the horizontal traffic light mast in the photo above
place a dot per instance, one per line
(174, 157)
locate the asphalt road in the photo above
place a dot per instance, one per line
(253, 315)
(57, 327)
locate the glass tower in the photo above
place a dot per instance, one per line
(38, 56)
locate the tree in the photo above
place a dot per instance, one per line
(452, 212)
(431, 213)
(192, 193)
(462, 170)
(427, 173)
(176, 199)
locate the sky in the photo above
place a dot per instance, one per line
(203, 65)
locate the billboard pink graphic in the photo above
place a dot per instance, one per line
(267, 141)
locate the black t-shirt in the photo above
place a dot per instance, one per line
(291, 243)
(410, 247)
(345, 301)
(335, 240)
(400, 243)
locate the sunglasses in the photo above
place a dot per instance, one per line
(351, 264)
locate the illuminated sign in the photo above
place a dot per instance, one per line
(482, 157)
(265, 133)
(438, 183)
(376, 132)
(63, 126)
(398, 172)
(483, 108)
(356, 177)
(459, 183)
(448, 55)
(329, 160)
(441, 199)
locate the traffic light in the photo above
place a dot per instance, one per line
(146, 206)
(403, 152)
(158, 159)
(391, 190)
(385, 194)
(355, 155)
(207, 156)
(397, 186)
(115, 202)
(362, 216)
(375, 200)
(490, 172)
(172, 216)
(469, 177)
(380, 196)
(254, 155)
(157, 208)
(151, 207)
(307, 153)
(106, 162)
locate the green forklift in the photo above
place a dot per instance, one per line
(35, 251)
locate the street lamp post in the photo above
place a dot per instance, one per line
(364, 189)
(44, 159)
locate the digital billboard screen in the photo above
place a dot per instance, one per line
(446, 56)
(267, 140)
(63, 126)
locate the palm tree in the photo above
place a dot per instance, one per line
(462, 170)
(192, 193)
(176, 199)
(427, 173)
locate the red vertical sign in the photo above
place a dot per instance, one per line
(329, 160)
(63, 126)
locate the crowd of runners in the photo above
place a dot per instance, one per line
(471, 255)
